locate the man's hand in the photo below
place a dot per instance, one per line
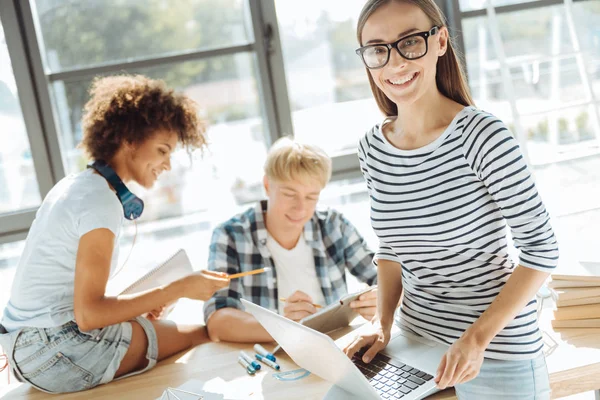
(460, 364)
(366, 304)
(298, 306)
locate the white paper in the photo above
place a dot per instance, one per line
(337, 393)
(208, 390)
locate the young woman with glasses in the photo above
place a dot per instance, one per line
(445, 178)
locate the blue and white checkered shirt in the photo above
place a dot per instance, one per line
(240, 245)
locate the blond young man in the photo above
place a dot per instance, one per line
(308, 250)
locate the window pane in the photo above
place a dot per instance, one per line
(552, 94)
(9, 258)
(560, 135)
(468, 5)
(18, 184)
(90, 32)
(226, 90)
(571, 194)
(350, 196)
(587, 15)
(331, 101)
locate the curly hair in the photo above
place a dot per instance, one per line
(130, 109)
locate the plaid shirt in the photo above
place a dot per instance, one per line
(240, 245)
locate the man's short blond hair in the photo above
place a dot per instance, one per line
(290, 160)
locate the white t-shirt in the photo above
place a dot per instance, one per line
(43, 287)
(295, 270)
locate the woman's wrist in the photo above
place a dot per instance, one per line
(386, 321)
(176, 290)
(476, 338)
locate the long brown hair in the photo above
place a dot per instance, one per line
(450, 76)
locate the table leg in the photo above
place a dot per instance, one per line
(597, 393)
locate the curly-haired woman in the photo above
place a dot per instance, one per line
(60, 331)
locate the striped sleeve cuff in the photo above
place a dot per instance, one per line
(385, 252)
(544, 260)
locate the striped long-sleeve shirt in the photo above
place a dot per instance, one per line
(441, 212)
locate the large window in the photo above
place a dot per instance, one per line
(18, 183)
(329, 93)
(180, 45)
(553, 61)
(96, 32)
(260, 69)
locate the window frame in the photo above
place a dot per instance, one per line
(15, 224)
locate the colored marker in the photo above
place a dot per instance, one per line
(265, 360)
(245, 364)
(261, 350)
(250, 361)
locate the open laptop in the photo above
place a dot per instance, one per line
(404, 370)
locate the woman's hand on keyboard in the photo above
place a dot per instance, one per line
(376, 338)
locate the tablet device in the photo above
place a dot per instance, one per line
(336, 315)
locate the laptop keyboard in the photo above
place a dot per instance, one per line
(391, 379)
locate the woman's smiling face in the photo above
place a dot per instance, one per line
(403, 81)
(153, 156)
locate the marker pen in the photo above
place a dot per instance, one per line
(245, 364)
(265, 360)
(250, 361)
(261, 350)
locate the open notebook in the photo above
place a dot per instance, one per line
(175, 267)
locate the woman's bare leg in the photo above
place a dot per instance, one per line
(172, 339)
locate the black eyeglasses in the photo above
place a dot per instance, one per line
(410, 47)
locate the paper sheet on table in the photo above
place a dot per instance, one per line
(211, 390)
(337, 393)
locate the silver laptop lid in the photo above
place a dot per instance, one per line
(313, 351)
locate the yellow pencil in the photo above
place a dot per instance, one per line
(316, 305)
(253, 272)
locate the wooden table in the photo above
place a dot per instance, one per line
(573, 358)
(573, 363)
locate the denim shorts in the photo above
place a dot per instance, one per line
(514, 380)
(64, 359)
